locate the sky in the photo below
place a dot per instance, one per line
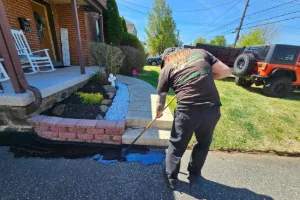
(217, 16)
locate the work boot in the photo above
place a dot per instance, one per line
(194, 178)
(170, 182)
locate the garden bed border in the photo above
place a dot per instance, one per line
(78, 130)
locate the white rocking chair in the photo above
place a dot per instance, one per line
(3, 74)
(30, 59)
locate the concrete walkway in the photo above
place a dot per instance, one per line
(227, 176)
(141, 111)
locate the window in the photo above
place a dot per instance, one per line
(286, 54)
(259, 52)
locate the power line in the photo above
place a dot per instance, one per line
(250, 15)
(196, 24)
(181, 11)
(289, 27)
(274, 17)
(132, 9)
(272, 22)
(282, 2)
(232, 31)
(271, 8)
(249, 27)
(212, 22)
(182, 22)
(206, 8)
(135, 4)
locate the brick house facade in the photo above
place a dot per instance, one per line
(61, 16)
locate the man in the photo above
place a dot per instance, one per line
(190, 73)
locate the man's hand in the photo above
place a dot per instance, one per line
(161, 101)
(159, 114)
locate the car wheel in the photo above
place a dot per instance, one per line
(244, 64)
(153, 63)
(242, 82)
(278, 87)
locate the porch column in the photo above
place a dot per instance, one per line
(101, 27)
(10, 54)
(78, 36)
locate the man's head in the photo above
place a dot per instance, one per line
(174, 55)
(167, 52)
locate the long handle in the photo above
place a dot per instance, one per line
(149, 125)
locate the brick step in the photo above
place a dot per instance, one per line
(152, 137)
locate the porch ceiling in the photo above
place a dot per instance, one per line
(80, 2)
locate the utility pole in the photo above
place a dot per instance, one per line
(241, 23)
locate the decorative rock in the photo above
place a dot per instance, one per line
(58, 110)
(111, 95)
(99, 117)
(104, 108)
(109, 88)
(119, 107)
(106, 101)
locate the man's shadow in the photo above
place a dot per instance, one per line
(206, 189)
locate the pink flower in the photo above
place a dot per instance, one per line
(134, 72)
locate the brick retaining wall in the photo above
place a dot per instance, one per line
(79, 130)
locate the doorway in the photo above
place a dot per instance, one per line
(43, 28)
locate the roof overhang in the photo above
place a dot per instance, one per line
(98, 5)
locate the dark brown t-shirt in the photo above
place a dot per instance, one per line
(193, 81)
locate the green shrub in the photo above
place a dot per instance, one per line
(99, 77)
(107, 56)
(90, 98)
(132, 41)
(133, 59)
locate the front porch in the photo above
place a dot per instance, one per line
(48, 83)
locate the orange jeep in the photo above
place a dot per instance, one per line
(276, 67)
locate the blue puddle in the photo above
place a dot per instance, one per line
(147, 159)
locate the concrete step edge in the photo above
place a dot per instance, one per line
(152, 137)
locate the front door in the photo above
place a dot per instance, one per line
(43, 28)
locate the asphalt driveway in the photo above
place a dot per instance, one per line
(227, 176)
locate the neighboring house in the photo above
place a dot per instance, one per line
(131, 28)
(47, 17)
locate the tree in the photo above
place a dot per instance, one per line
(201, 40)
(179, 42)
(113, 23)
(219, 40)
(260, 35)
(161, 29)
(124, 25)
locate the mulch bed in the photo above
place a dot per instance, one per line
(75, 109)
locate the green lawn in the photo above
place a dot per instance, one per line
(250, 121)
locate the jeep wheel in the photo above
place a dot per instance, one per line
(278, 87)
(244, 64)
(242, 82)
(153, 63)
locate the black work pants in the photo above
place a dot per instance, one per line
(202, 122)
